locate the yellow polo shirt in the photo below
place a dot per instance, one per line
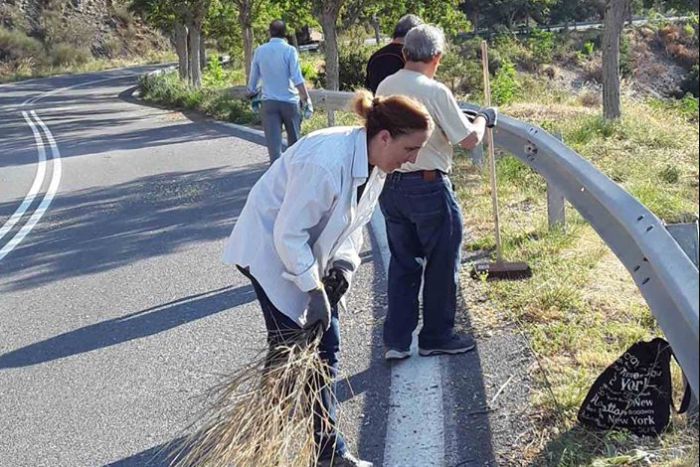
(451, 126)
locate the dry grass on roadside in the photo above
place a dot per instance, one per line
(581, 309)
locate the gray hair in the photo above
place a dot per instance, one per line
(405, 24)
(423, 43)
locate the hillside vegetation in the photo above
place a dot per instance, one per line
(39, 38)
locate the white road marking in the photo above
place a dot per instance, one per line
(36, 185)
(50, 193)
(41, 170)
(415, 427)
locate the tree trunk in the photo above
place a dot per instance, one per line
(330, 39)
(248, 49)
(181, 49)
(377, 31)
(189, 52)
(295, 40)
(614, 21)
(202, 53)
(245, 19)
(194, 46)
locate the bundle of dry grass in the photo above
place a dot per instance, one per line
(264, 413)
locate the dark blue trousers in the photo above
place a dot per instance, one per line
(424, 221)
(279, 327)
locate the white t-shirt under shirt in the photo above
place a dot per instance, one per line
(451, 126)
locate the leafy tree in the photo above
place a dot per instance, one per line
(295, 13)
(507, 13)
(444, 13)
(164, 15)
(183, 19)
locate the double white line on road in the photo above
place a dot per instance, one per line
(33, 121)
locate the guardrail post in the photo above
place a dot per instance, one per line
(556, 205)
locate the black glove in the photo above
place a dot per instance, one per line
(319, 309)
(490, 114)
(336, 283)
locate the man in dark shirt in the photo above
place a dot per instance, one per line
(389, 59)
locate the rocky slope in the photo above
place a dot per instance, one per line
(103, 26)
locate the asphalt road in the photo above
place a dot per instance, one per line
(116, 313)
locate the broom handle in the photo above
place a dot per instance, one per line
(492, 156)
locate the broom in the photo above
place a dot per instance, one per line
(263, 414)
(500, 269)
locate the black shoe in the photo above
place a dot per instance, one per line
(345, 460)
(456, 345)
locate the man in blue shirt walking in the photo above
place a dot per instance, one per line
(276, 63)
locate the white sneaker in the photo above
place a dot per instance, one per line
(393, 354)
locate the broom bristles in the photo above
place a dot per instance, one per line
(263, 414)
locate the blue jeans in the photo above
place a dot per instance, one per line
(274, 115)
(423, 220)
(279, 326)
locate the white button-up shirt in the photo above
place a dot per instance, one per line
(302, 216)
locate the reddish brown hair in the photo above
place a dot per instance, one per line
(398, 115)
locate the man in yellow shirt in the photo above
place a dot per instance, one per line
(423, 217)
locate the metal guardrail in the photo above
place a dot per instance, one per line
(664, 274)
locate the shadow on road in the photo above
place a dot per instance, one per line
(157, 456)
(99, 229)
(133, 326)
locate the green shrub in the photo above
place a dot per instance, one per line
(588, 48)
(16, 45)
(689, 30)
(63, 54)
(167, 89)
(308, 71)
(689, 105)
(541, 43)
(240, 112)
(352, 63)
(464, 73)
(512, 50)
(192, 99)
(214, 74)
(505, 87)
(453, 69)
(626, 64)
(670, 174)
